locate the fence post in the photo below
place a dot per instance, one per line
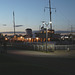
(38, 47)
(34, 47)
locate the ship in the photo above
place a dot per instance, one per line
(48, 34)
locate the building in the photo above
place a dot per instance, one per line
(29, 32)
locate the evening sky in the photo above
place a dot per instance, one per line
(30, 13)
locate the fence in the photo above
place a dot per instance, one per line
(42, 47)
(54, 47)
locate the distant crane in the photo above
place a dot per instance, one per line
(50, 13)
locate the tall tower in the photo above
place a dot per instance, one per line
(14, 21)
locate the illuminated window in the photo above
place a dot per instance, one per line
(44, 39)
(6, 38)
(37, 39)
(48, 39)
(44, 31)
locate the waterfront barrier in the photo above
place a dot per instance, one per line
(42, 47)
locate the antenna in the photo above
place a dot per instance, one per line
(50, 13)
(14, 21)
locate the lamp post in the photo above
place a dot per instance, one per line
(46, 24)
(46, 35)
(46, 39)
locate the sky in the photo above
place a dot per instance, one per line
(30, 14)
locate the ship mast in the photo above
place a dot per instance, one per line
(14, 21)
(50, 15)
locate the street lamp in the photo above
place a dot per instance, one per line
(46, 35)
(46, 32)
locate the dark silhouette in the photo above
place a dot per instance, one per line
(4, 46)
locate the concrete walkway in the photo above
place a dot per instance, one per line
(23, 62)
(58, 53)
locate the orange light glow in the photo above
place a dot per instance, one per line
(37, 39)
(6, 38)
(48, 39)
